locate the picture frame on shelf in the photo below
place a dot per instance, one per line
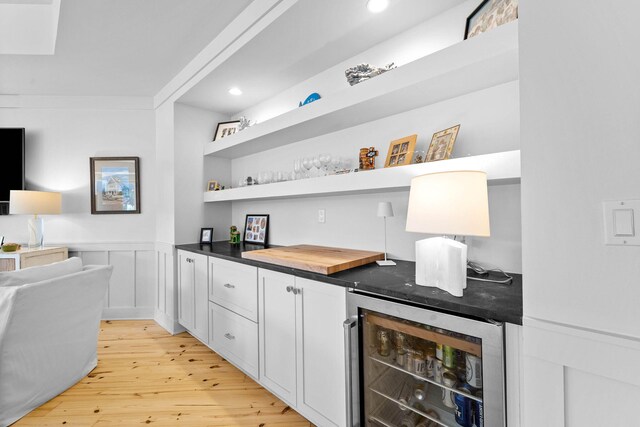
(256, 229)
(490, 14)
(225, 129)
(213, 186)
(115, 185)
(442, 144)
(206, 236)
(401, 151)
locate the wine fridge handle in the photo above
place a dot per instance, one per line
(348, 325)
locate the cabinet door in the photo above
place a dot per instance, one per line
(186, 284)
(321, 309)
(277, 333)
(200, 295)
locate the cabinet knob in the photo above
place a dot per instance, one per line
(229, 336)
(297, 291)
(290, 288)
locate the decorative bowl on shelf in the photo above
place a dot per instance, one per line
(10, 247)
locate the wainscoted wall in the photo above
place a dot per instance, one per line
(166, 291)
(131, 290)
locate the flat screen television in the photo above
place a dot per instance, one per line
(11, 163)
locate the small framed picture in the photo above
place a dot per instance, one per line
(256, 229)
(225, 129)
(213, 186)
(442, 144)
(489, 15)
(206, 236)
(401, 151)
(115, 185)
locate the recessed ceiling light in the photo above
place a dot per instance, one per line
(235, 91)
(376, 6)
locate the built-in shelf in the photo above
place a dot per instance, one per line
(481, 62)
(501, 168)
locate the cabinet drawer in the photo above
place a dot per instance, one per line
(234, 286)
(235, 338)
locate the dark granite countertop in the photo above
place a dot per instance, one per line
(483, 300)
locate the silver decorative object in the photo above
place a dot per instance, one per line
(244, 123)
(362, 72)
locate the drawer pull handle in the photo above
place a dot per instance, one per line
(229, 336)
(229, 285)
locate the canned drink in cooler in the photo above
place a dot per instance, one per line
(438, 370)
(419, 365)
(439, 351)
(449, 380)
(474, 370)
(478, 411)
(431, 365)
(463, 408)
(449, 356)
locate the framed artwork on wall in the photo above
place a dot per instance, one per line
(256, 229)
(401, 151)
(442, 144)
(489, 15)
(225, 129)
(115, 185)
(206, 236)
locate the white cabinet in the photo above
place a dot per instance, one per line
(235, 338)
(234, 286)
(302, 345)
(193, 311)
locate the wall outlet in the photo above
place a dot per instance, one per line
(321, 216)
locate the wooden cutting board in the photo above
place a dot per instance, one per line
(319, 259)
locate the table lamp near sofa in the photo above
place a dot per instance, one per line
(448, 204)
(35, 203)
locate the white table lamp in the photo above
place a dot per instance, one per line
(447, 203)
(35, 203)
(385, 210)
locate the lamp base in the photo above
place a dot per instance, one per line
(35, 226)
(442, 263)
(385, 263)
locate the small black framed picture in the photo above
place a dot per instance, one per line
(225, 129)
(206, 236)
(256, 229)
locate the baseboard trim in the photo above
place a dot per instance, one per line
(127, 313)
(170, 325)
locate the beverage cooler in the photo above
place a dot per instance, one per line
(413, 367)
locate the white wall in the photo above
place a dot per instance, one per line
(59, 143)
(580, 103)
(193, 128)
(61, 135)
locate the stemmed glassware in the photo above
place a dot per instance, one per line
(307, 163)
(325, 159)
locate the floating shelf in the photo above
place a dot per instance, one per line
(481, 62)
(501, 168)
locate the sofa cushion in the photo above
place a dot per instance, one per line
(40, 273)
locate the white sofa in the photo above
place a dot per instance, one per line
(49, 325)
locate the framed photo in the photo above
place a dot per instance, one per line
(256, 229)
(225, 129)
(489, 15)
(115, 185)
(442, 144)
(213, 186)
(401, 151)
(206, 235)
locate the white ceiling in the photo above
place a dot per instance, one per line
(135, 47)
(310, 37)
(118, 47)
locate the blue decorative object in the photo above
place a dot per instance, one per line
(313, 97)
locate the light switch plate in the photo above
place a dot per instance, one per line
(622, 222)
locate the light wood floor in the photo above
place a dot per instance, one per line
(147, 377)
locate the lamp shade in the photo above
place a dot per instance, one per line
(385, 209)
(35, 202)
(449, 203)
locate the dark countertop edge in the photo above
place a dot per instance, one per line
(466, 308)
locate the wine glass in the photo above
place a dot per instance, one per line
(307, 163)
(297, 168)
(325, 159)
(335, 163)
(317, 164)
